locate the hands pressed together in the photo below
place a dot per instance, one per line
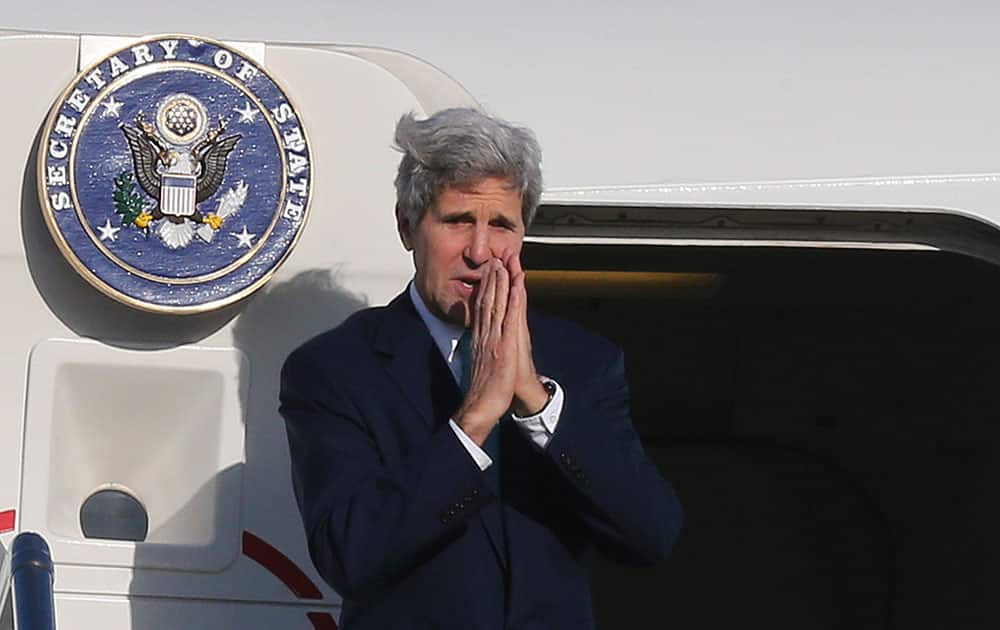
(503, 373)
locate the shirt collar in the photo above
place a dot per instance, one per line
(444, 334)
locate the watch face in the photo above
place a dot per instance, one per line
(175, 174)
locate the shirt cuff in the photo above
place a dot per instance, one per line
(482, 459)
(540, 427)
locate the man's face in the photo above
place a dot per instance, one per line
(466, 228)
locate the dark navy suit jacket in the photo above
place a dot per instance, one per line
(401, 521)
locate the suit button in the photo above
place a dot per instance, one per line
(475, 492)
(444, 519)
(564, 457)
(467, 499)
(451, 512)
(460, 505)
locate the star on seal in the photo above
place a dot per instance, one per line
(108, 231)
(245, 238)
(248, 114)
(112, 108)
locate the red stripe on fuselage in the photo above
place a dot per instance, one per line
(322, 621)
(7, 521)
(281, 566)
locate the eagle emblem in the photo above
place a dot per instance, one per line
(175, 174)
(179, 164)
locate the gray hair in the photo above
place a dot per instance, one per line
(461, 146)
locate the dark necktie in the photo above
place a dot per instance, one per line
(492, 444)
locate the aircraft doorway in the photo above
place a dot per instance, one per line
(826, 415)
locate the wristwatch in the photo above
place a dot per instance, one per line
(550, 388)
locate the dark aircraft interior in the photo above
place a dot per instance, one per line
(828, 418)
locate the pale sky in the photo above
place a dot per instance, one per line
(659, 91)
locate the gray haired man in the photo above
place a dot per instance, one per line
(456, 457)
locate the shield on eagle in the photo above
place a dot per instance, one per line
(178, 194)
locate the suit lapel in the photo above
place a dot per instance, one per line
(414, 362)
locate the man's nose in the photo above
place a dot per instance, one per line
(477, 251)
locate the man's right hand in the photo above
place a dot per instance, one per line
(494, 355)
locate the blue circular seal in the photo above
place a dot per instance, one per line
(175, 174)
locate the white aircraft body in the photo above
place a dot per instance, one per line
(792, 232)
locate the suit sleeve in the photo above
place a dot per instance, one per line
(368, 523)
(617, 490)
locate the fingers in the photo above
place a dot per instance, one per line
(491, 307)
(496, 340)
(514, 264)
(481, 325)
(500, 306)
(518, 294)
(518, 310)
(519, 280)
(515, 319)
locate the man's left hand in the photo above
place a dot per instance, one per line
(530, 396)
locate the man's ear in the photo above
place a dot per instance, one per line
(405, 229)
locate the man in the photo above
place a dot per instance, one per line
(455, 457)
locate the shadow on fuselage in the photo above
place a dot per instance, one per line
(84, 309)
(270, 325)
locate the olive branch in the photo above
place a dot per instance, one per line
(128, 202)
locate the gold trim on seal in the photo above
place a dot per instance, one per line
(49, 214)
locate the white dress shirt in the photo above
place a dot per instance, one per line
(538, 428)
